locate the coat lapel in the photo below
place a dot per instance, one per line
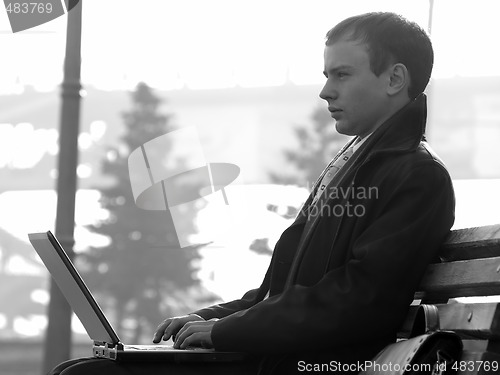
(397, 139)
(303, 214)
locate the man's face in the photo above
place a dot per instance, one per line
(357, 98)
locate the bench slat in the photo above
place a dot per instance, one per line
(480, 277)
(472, 243)
(474, 320)
(470, 267)
(478, 320)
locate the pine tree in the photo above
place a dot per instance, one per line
(143, 274)
(318, 144)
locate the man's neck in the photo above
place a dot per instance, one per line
(394, 107)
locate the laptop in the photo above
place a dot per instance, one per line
(107, 344)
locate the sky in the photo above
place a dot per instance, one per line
(199, 44)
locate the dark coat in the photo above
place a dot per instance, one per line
(346, 287)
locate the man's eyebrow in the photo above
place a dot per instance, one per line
(336, 69)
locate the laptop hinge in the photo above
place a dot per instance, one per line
(106, 350)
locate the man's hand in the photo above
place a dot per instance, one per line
(169, 327)
(195, 333)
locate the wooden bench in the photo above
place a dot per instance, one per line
(470, 267)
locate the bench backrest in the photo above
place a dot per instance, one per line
(470, 267)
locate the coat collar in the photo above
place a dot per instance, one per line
(403, 131)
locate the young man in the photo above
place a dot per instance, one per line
(344, 273)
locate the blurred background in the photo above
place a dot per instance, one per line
(246, 75)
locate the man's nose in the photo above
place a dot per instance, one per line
(328, 91)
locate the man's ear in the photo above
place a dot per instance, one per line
(399, 79)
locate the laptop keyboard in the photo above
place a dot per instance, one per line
(149, 347)
(159, 347)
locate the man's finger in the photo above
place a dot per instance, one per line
(183, 333)
(179, 336)
(194, 339)
(195, 334)
(171, 329)
(160, 331)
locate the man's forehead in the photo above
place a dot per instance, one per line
(345, 53)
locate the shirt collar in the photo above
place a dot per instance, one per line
(359, 141)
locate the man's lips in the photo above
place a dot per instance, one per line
(334, 112)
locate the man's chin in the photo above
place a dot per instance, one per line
(343, 128)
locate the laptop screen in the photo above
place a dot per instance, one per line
(73, 287)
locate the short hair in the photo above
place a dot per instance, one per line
(390, 39)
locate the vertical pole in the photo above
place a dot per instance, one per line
(58, 335)
(429, 19)
(429, 89)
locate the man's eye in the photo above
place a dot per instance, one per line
(341, 74)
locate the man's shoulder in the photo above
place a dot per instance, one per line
(425, 153)
(422, 153)
(400, 165)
